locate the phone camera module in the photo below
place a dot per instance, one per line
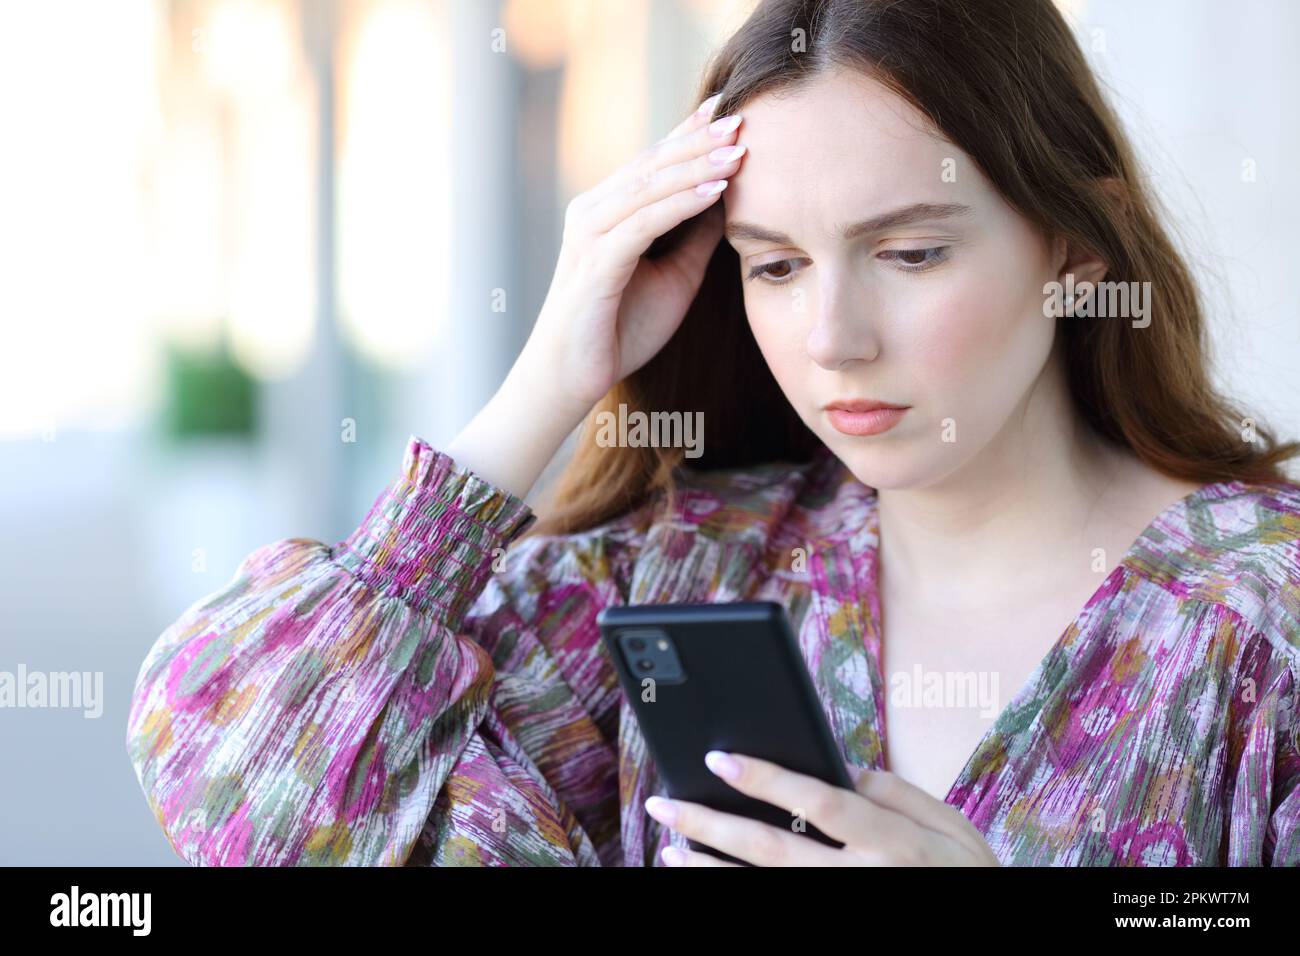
(649, 652)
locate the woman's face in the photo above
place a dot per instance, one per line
(941, 311)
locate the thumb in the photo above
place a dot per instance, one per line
(693, 255)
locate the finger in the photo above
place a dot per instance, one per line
(633, 235)
(664, 169)
(838, 812)
(697, 858)
(750, 840)
(703, 114)
(891, 791)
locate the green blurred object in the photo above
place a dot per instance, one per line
(208, 394)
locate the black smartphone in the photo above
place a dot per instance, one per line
(728, 676)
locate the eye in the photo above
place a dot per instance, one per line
(773, 273)
(909, 260)
(915, 260)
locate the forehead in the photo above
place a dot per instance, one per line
(838, 146)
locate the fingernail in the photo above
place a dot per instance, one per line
(673, 856)
(723, 764)
(711, 187)
(708, 105)
(665, 811)
(727, 154)
(721, 127)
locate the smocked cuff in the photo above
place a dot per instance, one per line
(430, 537)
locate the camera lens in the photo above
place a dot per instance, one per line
(636, 643)
(645, 665)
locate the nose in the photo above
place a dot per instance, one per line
(841, 331)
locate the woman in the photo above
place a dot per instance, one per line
(1055, 501)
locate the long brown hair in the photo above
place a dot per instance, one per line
(1006, 82)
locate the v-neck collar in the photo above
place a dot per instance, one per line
(854, 602)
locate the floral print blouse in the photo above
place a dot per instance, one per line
(425, 693)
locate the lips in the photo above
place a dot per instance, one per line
(861, 405)
(864, 417)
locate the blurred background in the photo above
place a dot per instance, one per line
(248, 247)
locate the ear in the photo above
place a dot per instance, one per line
(1073, 259)
(1083, 264)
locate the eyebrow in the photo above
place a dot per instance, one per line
(903, 216)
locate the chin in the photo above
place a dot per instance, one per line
(889, 464)
(874, 465)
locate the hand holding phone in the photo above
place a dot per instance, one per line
(728, 677)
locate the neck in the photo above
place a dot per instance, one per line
(1006, 515)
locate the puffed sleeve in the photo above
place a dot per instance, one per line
(415, 695)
